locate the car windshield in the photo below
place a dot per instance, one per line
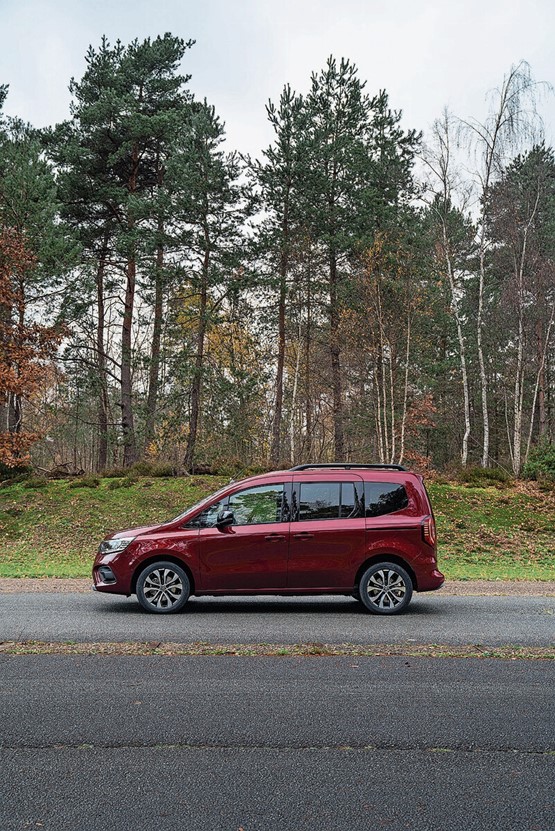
(201, 504)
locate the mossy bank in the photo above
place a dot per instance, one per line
(52, 528)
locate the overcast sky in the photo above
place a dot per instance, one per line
(426, 53)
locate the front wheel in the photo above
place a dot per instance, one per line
(385, 589)
(163, 588)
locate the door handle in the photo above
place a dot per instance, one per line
(275, 538)
(304, 535)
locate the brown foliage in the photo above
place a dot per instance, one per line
(25, 348)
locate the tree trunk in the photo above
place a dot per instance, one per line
(102, 450)
(405, 392)
(196, 388)
(275, 454)
(392, 404)
(481, 361)
(308, 371)
(462, 348)
(154, 371)
(383, 376)
(518, 396)
(335, 354)
(542, 410)
(127, 419)
(541, 379)
(15, 401)
(15, 413)
(294, 401)
(379, 425)
(519, 375)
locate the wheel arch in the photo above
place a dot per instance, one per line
(385, 557)
(157, 557)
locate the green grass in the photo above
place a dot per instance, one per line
(492, 533)
(52, 529)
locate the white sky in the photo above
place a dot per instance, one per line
(426, 53)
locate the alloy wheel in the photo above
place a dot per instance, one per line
(163, 588)
(386, 589)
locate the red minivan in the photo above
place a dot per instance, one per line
(351, 529)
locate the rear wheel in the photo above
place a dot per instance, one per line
(385, 588)
(163, 588)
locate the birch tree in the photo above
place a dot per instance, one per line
(452, 239)
(522, 211)
(512, 122)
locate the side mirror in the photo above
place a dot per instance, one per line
(224, 519)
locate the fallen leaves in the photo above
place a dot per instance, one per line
(296, 650)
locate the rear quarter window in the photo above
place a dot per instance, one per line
(382, 498)
(327, 500)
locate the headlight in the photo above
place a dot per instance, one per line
(114, 546)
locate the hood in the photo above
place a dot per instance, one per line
(133, 532)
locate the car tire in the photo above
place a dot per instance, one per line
(163, 588)
(385, 589)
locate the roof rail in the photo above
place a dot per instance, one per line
(348, 466)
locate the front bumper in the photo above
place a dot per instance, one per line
(108, 578)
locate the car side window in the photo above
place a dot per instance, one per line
(255, 506)
(350, 506)
(206, 518)
(384, 498)
(327, 500)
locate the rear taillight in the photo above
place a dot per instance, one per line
(429, 530)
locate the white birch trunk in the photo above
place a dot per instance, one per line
(405, 393)
(537, 384)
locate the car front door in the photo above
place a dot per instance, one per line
(327, 537)
(251, 554)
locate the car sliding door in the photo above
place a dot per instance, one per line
(327, 536)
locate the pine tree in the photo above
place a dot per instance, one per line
(356, 171)
(278, 178)
(127, 111)
(207, 202)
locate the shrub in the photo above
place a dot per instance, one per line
(115, 473)
(125, 482)
(158, 469)
(162, 470)
(85, 482)
(233, 467)
(17, 473)
(541, 462)
(35, 482)
(484, 477)
(15, 480)
(142, 468)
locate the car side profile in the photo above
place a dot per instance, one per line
(348, 529)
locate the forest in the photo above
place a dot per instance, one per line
(360, 292)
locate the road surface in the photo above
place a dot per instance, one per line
(267, 744)
(431, 618)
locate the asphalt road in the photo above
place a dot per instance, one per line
(272, 744)
(431, 618)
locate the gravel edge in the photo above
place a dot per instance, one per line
(455, 588)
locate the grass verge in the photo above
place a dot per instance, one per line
(495, 533)
(52, 528)
(505, 652)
